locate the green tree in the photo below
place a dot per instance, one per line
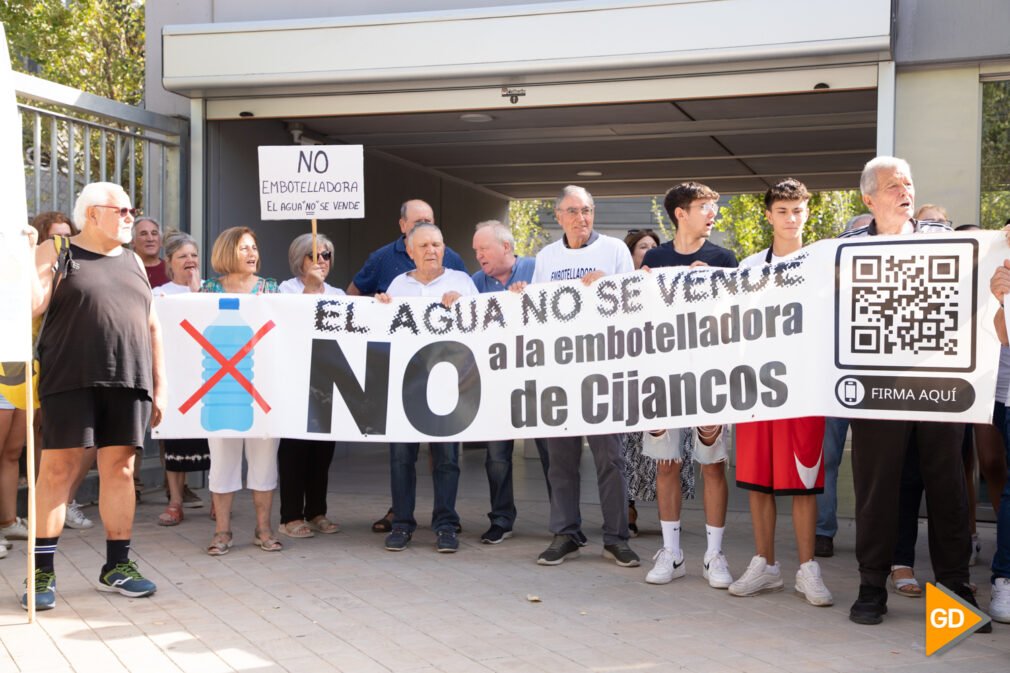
(995, 192)
(93, 45)
(747, 231)
(524, 219)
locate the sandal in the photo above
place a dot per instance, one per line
(321, 524)
(268, 543)
(385, 524)
(905, 584)
(296, 529)
(632, 519)
(172, 516)
(220, 543)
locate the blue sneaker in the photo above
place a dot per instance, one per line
(398, 539)
(127, 580)
(45, 591)
(446, 541)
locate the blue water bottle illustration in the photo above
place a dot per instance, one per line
(227, 406)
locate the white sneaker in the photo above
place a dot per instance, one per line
(669, 566)
(999, 605)
(811, 585)
(16, 531)
(759, 578)
(716, 570)
(975, 549)
(75, 517)
(5, 543)
(3, 551)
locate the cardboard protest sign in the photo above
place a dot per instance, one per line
(311, 182)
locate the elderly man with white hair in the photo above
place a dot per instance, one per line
(585, 255)
(101, 381)
(879, 446)
(494, 247)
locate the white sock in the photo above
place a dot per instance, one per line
(714, 536)
(671, 536)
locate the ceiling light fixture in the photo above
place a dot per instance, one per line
(476, 117)
(589, 174)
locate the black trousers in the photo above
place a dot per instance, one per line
(878, 456)
(304, 467)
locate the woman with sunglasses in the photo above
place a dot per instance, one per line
(304, 463)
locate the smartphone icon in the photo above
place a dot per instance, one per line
(850, 392)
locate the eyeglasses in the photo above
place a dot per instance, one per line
(707, 207)
(324, 255)
(123, 212)
(575, 212)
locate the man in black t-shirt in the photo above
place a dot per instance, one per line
(692, 208)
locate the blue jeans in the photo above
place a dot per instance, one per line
(444, 479)
(1001, 559)
(498, 465)
(835, 430)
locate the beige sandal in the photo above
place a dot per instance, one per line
(905, 584)
(321, 524)
(297, 529)
(268, 543)
(220, 543)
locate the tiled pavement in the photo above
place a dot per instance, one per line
(342, 603)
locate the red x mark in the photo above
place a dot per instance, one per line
(227, 366)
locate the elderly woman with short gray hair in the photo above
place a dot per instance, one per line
(304, 464)
(309, 275)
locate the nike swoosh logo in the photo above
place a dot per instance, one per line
(677, 565)
(808, 475)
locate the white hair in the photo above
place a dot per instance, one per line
(569, 191)
(420, 226)
(868, 180)
(94, 194)
(501, 232)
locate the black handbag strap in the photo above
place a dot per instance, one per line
(62, 244)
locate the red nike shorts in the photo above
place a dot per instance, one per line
(782, 457)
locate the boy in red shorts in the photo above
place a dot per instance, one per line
(782, 457)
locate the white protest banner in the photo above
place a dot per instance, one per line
(16, 262)
(895, 327)
(305, 182)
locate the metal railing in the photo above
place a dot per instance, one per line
(71, 138)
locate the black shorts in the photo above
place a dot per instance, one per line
(95, 417)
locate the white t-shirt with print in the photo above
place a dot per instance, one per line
(559, 262)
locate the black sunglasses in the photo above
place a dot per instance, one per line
(123, 212)
(322, 254)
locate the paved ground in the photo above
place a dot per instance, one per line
(342, 603)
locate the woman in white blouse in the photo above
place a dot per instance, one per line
(304, 464)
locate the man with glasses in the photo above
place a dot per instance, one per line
(102, 379)
(392, 259)
(692, 208)
(588, 256)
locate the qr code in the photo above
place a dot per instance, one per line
(906, 305)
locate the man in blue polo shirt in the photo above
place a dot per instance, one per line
(494, 247)
(391, 260)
